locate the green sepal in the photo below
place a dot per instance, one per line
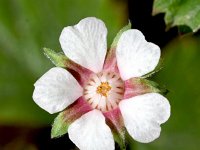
(120, 140)
(59, 127)
(116, 39)
(157, 69)
(152, 86)
(130, 142)
(58, 59)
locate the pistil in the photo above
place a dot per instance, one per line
(103, 89)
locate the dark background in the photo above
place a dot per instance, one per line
(153, 27)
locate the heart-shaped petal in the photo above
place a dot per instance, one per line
(143, 115)
(135, 56)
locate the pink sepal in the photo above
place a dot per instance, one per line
(81, 74)
(137, 86)
(76, 110)
(111, 61)
(115, 122)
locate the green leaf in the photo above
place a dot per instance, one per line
(179, 12)
(58, 59)
(59, 126)
(116, 39)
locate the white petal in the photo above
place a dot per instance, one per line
(143, 115)
(56, 90)
(85, 43)
(136, 56)
(90, 132)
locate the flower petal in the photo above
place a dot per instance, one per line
(85, 43)
(136, 56)
(56, 90)
(90, 132)
(143, 115)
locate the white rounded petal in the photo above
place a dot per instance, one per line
(90, 132)
(143, 115)
(56, 90)
(136, 56)
(85, 43)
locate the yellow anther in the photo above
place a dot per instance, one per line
(103, 89)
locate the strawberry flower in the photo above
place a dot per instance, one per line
(102, 95)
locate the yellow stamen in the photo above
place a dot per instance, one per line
(103, 89)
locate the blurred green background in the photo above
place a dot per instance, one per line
(26, 26)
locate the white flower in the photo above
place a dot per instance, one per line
(105, 85)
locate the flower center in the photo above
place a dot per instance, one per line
(104, 91)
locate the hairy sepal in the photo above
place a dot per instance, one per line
(111, 61)
(117, 37)
(60, 60)
(60, 126)
(68, 116)
(115, 121)
(138, 86)
(157, 69)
